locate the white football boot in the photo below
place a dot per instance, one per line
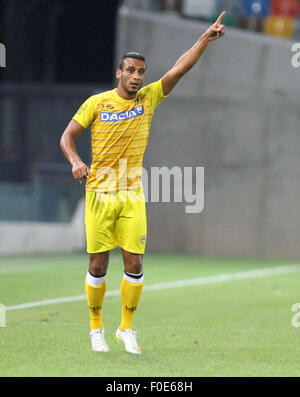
(128, 336)
(98, 341)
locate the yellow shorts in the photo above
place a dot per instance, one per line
(116, 219)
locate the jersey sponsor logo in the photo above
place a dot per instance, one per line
(108, 106)
(120, 116)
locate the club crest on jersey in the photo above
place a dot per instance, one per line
(120, 116)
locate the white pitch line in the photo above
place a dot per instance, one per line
(221, 278)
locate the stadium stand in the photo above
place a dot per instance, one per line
(273, 17)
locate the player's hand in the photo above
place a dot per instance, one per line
(80, 171)
(216, 30)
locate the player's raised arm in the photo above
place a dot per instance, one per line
(67, 143)
(191, 57)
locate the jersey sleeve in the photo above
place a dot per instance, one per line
(86, 113)
(155, 93)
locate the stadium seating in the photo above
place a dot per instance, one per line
(279, 18)
(205, 9)
(289, 8)
(281, 26)
(256, 8)
(251, 23)
(297, 30)
(233, 11)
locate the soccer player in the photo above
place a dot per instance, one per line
(115, 204)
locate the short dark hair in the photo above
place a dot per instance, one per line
(131, 54)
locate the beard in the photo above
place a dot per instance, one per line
(130, 90)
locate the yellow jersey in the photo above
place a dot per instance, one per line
(119, 136)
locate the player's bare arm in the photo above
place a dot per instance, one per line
(67, 143)
(191, 57)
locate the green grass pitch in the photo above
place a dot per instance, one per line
(234, 328)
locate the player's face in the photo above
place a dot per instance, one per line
(131, 77)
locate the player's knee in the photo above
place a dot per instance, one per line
(98, 264)
(134, 267)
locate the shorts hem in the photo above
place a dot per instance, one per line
(133, 251)
(102, 250)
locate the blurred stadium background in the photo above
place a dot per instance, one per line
(236, 114)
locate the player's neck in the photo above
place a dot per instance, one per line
(123, 94)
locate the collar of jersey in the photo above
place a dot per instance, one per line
(120, 99)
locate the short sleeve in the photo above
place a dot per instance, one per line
(155, 93)
(86, 113)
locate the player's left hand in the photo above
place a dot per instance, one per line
(216, 30)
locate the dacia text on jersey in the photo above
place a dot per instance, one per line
(120, 116)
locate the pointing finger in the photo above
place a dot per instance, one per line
(219, 20)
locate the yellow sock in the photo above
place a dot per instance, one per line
(131, 291)
(95, 289)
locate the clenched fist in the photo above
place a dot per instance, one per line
(80, 171)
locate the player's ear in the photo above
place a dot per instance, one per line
(118, 73)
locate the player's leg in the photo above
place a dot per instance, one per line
(95, 287)
(131, 292)
(131, 287)
(100, 221)
(131, 232)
